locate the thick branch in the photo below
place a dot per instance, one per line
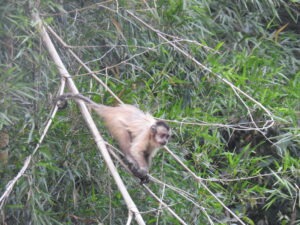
(87, 117)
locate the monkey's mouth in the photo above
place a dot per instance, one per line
(163, 143)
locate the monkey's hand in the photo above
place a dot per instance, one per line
(141, 173)
(138, 172)
(144, 180)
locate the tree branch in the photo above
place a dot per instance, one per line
(87, 117)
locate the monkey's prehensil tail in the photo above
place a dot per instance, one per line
(62, 99)
(75, 96)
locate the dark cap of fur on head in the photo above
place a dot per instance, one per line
(163, 124)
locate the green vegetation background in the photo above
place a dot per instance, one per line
(253, 44)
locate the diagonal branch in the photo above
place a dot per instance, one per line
(165, 206)
(11, 183)
(87, 117)
(199, 180)
(268, 123)
(83, 64)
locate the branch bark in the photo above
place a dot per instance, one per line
(87, 117)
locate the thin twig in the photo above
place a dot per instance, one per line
(241, 126)
(84, 65)
(186, 195)
(165, 206)
(130, 215)
(181, 192)
(160, 205)
(11, 183)
(199, 180)
(238, 90)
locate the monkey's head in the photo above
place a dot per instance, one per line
(161, 132)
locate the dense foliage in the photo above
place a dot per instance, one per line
(172, 65)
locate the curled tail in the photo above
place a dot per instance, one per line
(61, 100)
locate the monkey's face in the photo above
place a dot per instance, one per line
(161, 134)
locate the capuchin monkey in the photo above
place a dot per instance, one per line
(138, 134)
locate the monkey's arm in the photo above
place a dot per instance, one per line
(138, 151)
(135, 160)
(124, 140)
(141, 167)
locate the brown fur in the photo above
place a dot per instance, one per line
(139, 135)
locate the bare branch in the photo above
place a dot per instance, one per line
(11, 184)
(88, 119)
(199, 180)
(165, 206)
(85, 66)
(162, 35)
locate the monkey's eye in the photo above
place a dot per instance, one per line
(163, 136)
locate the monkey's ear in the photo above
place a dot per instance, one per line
(153, 129)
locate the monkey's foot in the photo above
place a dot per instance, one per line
(144, 180)
(141, 173)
